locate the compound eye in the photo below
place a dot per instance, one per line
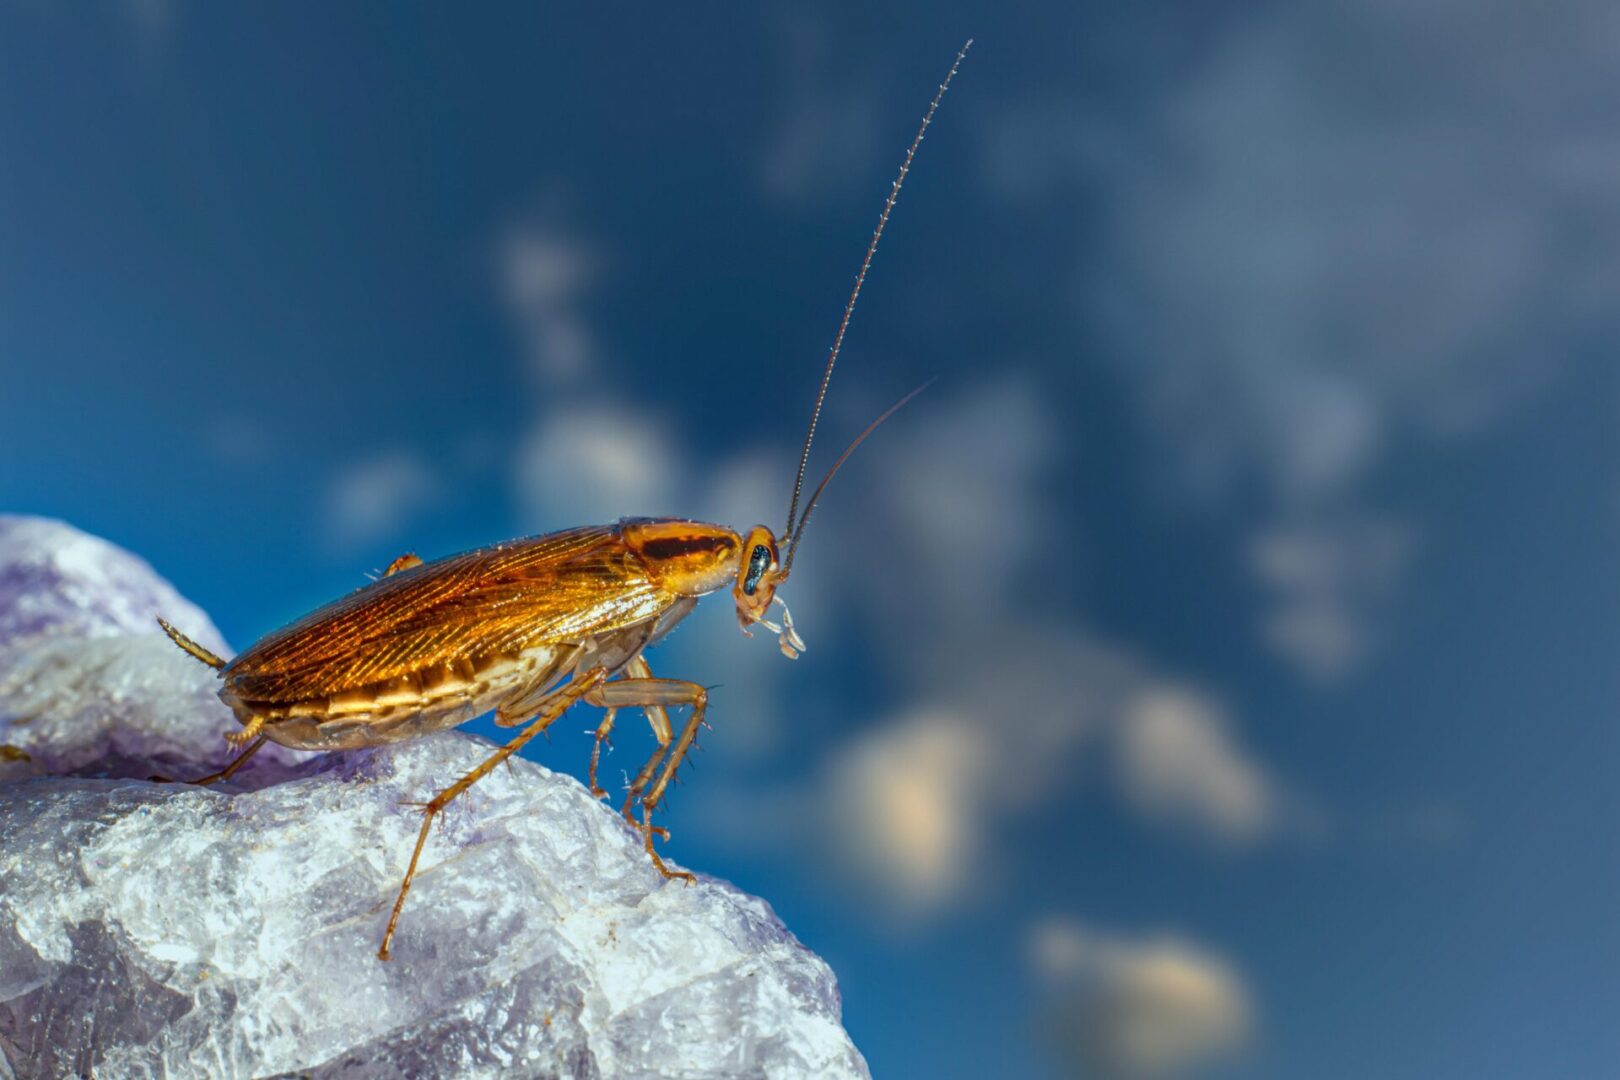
(759, 561)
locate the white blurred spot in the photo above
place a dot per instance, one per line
(827, 133)
(907, 807)
(1177, 763)
(373, 499)
(748, 488)
(1302, 272)
(1151, 1007)
(592, 464)
(544, 276)
(929, 541)
(956, 480)
(1329, 583)
(236, 440)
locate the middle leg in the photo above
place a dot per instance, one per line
(657, 716)
(663, 694)
(580, 687)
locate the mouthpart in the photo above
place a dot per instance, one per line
(787, 638)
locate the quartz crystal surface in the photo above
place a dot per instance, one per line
(152, 930)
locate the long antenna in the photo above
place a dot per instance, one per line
(860, 279)
(810, 506)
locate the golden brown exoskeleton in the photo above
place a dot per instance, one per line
(526, 628)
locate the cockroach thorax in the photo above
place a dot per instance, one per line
(691, 558)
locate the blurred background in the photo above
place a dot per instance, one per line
(1212, 674)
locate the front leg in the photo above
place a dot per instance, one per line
(650, 693)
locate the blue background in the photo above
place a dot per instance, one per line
(1238, 610)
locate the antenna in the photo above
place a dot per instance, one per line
(810, 506)
(860, 279)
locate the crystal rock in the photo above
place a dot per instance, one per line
(163, 930)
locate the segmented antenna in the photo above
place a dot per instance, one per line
(860, 279)
(810, 506)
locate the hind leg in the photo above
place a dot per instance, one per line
(559, 704)
(224, 774)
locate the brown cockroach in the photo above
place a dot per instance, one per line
(528, 628)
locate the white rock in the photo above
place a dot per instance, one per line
(158, 930)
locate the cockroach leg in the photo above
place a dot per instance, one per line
(699, 700)
(657, 715)
(657, 718)
(648, 831)
(404, 562)
(227, 772)
(639, 784)
(650, 769)
(230, 770)
(249, 731)
(662, 693)
(603, 730)
(578, 687)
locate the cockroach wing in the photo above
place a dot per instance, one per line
(559, 588)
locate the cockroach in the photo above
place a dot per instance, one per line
(527, 628)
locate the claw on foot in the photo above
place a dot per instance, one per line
(648, 832)
(685, 876)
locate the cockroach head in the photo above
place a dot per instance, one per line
(759, 572)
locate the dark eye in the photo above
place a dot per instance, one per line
(759, 560)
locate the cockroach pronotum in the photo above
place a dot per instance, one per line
(528, 628)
